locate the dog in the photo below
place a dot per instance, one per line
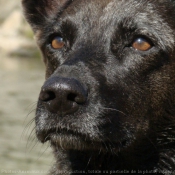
(108, 103)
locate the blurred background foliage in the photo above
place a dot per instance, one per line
(21, 77)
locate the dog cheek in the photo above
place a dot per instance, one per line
(162, 93)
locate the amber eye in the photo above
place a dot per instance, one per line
(142, 44)
(57, 42)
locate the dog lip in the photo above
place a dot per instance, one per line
(42, 137)
(46, 135)
(56, 137)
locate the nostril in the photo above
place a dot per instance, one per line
(76, 97)
(47, 96)
(71, 97)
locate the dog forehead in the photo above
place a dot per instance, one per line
(95, 6)
(107, 10)
(102, 14)
(117, 7)
(99, 13)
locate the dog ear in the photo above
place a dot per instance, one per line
(38, 11)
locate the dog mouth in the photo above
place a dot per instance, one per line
(55, 134)
(67, 134)
(68, 139)
(71, 140)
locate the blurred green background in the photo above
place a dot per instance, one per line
(21, 77)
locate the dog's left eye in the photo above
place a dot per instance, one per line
(142, 44)
(57, 42)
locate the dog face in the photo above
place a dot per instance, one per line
(110, 69)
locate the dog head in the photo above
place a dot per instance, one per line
(110, 69)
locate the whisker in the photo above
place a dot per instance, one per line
(30, 140)
(48, 135)
(32, 104)
(88, 162)
(33, 110)
(111, 109)
(27, 127)
(34, 145)
(42, 153)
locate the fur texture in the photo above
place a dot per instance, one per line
(128, 120)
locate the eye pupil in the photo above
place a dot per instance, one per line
(141, 44)
(58, 43)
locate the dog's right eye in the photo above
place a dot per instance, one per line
(57, 42)
(142, 44)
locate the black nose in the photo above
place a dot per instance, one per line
(63, 95)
